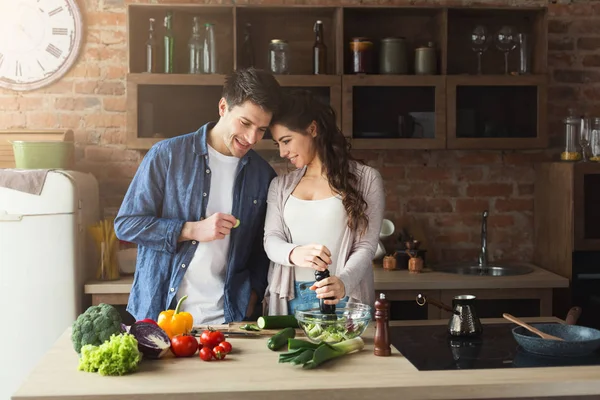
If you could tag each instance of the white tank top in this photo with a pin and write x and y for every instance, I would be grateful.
(316, 221)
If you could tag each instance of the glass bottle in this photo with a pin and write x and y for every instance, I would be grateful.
(195, 49)
(169, 40)
(279, 57)
(570, 152)
(595, 140)
(209, 51)
(151, 49)
(247, 52)
(319, 50)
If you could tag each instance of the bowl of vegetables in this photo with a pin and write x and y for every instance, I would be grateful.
(349, 321)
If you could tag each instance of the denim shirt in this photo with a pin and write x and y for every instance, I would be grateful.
(171, 187)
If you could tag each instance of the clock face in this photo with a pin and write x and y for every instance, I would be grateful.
(40, 40)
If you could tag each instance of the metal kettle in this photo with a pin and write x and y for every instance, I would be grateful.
(463, 321)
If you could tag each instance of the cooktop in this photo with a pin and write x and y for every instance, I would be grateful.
(431, 348)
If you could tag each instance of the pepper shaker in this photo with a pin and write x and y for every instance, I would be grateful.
(325, 308)
(382, 335)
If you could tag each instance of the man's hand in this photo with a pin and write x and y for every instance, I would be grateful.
(217, 226)
(315, 256)
(330, 287)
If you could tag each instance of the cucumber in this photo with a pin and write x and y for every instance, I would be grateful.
(277, 322)
(280, 339)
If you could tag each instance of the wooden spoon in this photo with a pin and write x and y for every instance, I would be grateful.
(531, 328)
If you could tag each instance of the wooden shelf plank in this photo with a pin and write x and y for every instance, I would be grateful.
(387, 144)
(497, 80)
(177, 79)
(393, 80)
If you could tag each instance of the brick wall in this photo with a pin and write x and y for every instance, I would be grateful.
(442, 191)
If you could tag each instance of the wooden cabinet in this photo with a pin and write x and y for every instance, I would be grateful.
(454, 108)
(567, 213)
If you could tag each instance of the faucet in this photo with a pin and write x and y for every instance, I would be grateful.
(483, 255)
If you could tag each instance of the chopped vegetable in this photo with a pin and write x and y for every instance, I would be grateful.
(250, 327)
(311, 358)
(344, 329)
(153, 342)
(118, 356)
(95, 326)
(175, 322)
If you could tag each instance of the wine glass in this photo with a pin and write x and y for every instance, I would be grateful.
(480, 41)
(584, 137)
(506, 41)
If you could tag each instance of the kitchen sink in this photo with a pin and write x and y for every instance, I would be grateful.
(489, 270)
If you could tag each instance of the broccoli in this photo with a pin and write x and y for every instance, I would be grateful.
(95, 326)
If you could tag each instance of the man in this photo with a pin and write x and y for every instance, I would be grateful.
(183, 205)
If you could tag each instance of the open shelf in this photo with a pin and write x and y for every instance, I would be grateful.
(461, 23)
(139, 15)
(293, 25)
(417, 25)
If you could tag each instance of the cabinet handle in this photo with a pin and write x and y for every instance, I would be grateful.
(4, 216)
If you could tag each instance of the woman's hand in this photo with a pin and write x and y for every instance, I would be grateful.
(315, 256)
(330, 287)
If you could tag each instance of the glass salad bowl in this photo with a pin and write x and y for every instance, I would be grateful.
(349, 321)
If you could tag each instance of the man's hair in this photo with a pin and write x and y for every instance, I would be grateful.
(256, 85)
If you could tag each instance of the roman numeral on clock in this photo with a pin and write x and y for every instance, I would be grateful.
(55, 11)
(18, 71)
(59, 31)
(1, 59)
(41, 66)
(55, 51)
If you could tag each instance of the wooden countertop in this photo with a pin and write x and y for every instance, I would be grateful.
(402, 280)
(253, 372)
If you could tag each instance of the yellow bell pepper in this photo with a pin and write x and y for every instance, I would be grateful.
(175, 322)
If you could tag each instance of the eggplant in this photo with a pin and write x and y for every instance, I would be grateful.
(153, 341)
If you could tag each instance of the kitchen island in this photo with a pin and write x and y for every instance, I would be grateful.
(399, 285)
(252, 372)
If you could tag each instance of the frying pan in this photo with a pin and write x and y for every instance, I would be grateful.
(577, 340)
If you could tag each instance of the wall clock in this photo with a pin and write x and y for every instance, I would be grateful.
(40, 41)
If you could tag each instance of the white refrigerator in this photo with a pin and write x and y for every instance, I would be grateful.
(46, 255)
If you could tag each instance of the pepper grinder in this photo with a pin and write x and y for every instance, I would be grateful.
(325, 308)
(382, 335)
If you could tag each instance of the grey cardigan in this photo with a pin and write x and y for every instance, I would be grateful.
(354, 267)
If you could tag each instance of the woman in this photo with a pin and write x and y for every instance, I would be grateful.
(326, 214)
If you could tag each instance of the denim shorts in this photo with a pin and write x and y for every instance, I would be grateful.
(305, 299)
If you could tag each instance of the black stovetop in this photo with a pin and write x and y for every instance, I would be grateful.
(430, 348)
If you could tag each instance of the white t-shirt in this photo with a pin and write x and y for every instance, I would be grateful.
(204, 281)
(316, 221)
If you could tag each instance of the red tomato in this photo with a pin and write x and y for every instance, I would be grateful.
(184, 345)
(219, 352)
(226, 346)
(206, 354)
(211, 338)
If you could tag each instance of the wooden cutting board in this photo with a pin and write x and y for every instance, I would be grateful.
(235, 327)
(7, 158)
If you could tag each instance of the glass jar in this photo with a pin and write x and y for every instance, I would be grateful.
(361, 49)
(279, 57)
(571, 152)
(595, 140)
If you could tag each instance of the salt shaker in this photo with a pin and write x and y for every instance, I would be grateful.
(382, 335)
(325, 308)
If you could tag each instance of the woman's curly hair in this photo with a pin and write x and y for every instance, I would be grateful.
(298, 110)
